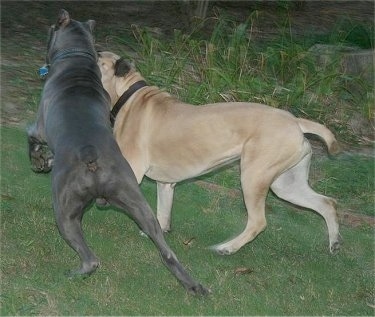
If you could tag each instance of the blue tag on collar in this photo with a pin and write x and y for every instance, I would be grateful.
(43, 71)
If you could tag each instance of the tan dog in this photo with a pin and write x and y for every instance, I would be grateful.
(170, 141)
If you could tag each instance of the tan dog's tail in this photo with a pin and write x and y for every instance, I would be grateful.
(320, 130)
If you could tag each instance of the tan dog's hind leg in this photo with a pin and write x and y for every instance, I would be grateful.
(293, 186)
(164, 204)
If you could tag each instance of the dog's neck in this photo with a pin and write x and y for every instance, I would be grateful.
(125, 97)
(126, 82)
(72, 52)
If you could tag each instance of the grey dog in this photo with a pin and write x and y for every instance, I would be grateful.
(73, 130)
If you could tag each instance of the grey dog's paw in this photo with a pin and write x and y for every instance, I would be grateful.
(41, 157)
(199, 289)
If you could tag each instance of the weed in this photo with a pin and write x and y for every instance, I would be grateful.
(232, 66)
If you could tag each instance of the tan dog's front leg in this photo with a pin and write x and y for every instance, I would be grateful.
(164, 205)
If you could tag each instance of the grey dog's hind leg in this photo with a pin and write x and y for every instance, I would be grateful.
(135, 205)
(69, 209)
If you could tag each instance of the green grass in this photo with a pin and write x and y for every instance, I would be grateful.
(287, 269)
(290, 269)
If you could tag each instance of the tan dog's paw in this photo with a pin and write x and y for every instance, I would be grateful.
(223, 249)
(334, 247)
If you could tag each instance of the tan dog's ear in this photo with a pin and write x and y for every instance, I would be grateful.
(122, 67)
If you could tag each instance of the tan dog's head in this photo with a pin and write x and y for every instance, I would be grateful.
(115, 74)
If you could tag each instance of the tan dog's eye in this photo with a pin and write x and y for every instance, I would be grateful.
(104, 66)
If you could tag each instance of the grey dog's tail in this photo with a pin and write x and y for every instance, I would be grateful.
(88, 154)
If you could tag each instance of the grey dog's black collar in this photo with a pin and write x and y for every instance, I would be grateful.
(70, 52)
(124, 98)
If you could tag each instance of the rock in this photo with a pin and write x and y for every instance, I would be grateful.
(351, 60)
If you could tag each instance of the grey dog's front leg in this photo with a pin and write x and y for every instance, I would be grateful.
(40, 155)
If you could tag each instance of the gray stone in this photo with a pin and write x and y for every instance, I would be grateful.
(351, 60)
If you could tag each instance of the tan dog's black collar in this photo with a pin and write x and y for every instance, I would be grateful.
(124, 98)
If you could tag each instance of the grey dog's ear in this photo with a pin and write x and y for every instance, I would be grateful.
(122, 67)
(63, 19)
(91, 24)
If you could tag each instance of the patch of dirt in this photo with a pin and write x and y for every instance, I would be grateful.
(354, 220)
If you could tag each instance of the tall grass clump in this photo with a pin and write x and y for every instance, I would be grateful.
(233, 64)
